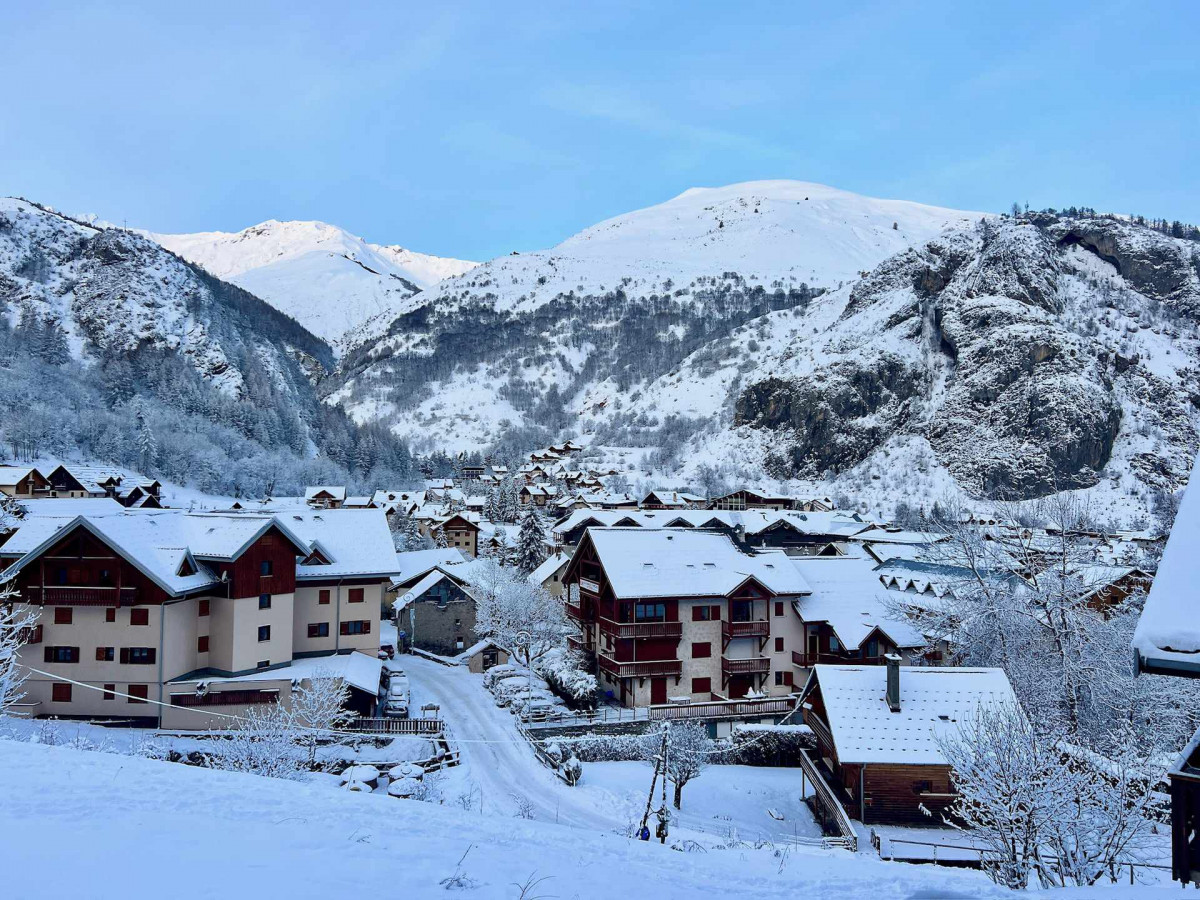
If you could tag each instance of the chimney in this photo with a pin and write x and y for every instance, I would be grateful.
(893, 682)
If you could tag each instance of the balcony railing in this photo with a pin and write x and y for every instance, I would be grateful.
(66, 595)
(754, 666)
(641, 668)
(730, 630)
(30, 634)
(642, 629)
(583, 645)
(724, 709)
(807, 660)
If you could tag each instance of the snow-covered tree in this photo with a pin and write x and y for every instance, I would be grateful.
(689, 750)
(1039, 811)
(531, 543)
(263, 742)
(519, 616)
(318, 709)
(15, 628)
(147, 444)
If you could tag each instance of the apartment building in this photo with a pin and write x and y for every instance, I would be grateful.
(207, 612)
(671, 614)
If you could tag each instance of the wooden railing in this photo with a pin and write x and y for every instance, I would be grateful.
(642, 629)
(723, 709)
(30, 634)
(66, 595)
(430, 727)
(754, 666)
(828, 800)
(640, 668)
(730, 630)
(225, 698)
(808, 660)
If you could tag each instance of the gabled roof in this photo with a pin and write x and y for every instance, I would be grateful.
(333, 491)
(933, 702)
(357, 542)
(10, 475)
(552, 564)
(846, 594)
(70, 507)
(414, 563)
(668, 562)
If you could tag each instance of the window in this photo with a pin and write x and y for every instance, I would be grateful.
(702, 613)
(835, 645)
(318, 630)
(139, 616)
(202, 644)
(356, 595)
(779, 607)
(264, 633)
(778, 645)
(263, 664)
(61, 654)
(62, 615)
(458, 644)
(110, 692)
(202, 608)
(61, 575)
(138, 693)
(110, 614)
(60, 693)
(783, 678)
(105, 654)
(264, 601)
(138, 656)
(356, 628)
(265, 568)
(872, 648)
(650, 612)
(919, 787)
(323, 597)
(458, 623)
(701, 650)
(701, 685)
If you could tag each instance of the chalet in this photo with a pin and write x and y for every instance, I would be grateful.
(481, 656)
(23, 482)
(204, 612)
(437, 610)
(877, 730)
(1167, 642)
(1106, 586)
(660, 499)
(325, 496)
(537, 494)
(63, 483)
(473, 472)
(550, 573)
(459, 533)
(679, 613)
(100, 481)
(845, 618)
(748, 499)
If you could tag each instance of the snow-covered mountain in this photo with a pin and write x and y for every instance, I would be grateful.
(328, 280)
(521, 340)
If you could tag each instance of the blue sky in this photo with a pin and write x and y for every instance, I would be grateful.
(474, 129)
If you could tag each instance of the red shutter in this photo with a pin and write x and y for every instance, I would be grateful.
(701, 650)
(100, 654)
(202, 608)
(62, 615)
(778, 645)
(367, 627)
(323, 596)
(48, 655)
(60, 693)
(779, 607)
(345, 628)
(356, 595)
(202, 644)
(110, 614)
(125, 656)
(716, 614)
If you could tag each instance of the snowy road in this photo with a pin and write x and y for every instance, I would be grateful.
(497, 759)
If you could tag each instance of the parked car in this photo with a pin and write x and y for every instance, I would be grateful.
(387, 651)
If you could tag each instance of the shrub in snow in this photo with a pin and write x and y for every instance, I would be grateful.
(262, 743)
(318, 709)
(405, 788)
(15, 628)
(563, 670)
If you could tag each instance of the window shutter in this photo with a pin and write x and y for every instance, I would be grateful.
(100, 654)
(345, 628)
(49, 655)
(367, 627)
(125, 656)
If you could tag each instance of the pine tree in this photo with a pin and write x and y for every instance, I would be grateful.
(531, 543)
(147, 445)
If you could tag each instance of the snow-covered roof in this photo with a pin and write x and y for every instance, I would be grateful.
(552, 564)
(13, 474)
(899, 536)
(413, 563)
(1167, 638)
(356, 669)
(336, 492)
(671, 562)
(357, 542)
(415, 592)
(754, 521)
(70, 507)
(847, 595)
(933, 702)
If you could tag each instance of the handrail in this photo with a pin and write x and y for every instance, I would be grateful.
(825, 793)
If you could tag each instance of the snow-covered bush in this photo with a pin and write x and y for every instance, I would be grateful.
(15, 628)
(563, 671)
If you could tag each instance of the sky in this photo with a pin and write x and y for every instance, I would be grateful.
(471, 130)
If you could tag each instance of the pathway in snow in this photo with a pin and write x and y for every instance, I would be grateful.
(508, 766)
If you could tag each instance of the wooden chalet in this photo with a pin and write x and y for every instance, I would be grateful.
(749, 499)
(325, 496)
(877, 730)
(23, 482)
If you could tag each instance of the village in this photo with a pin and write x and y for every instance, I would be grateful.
(798, 649)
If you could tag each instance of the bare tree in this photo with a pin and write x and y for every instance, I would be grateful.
(318, 709)
(15, 629)
(263, 742)
(689, 750)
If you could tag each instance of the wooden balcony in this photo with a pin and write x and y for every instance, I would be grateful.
(30, 634)
(641, 668)
(807, 660)
(731, 630)
(724, 709)
(757, 665)
(69, 595)
(668, 630)
(583, 645)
